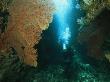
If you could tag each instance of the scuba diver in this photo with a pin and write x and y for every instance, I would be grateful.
(69, 68)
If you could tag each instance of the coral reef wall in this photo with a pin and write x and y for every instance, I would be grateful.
(93, 8)
(26, 21)
(94, 25)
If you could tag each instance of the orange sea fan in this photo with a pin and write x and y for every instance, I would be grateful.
(26, 21)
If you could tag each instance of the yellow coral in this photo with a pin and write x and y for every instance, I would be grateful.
(27, 20)
(93, 8)
(107, 55)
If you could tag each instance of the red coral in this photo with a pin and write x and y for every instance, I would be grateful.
(27, 20)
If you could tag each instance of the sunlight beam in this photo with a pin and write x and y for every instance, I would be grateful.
(62, 9)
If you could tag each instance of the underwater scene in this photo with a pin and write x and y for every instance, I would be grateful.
(54, 40)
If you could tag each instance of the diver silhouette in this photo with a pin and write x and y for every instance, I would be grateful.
(69, 69)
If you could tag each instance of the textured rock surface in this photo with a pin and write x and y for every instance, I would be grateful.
(95, 26)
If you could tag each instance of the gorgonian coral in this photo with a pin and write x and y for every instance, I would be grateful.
(26, 21)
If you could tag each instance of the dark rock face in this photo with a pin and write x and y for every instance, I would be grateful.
(95, 34)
